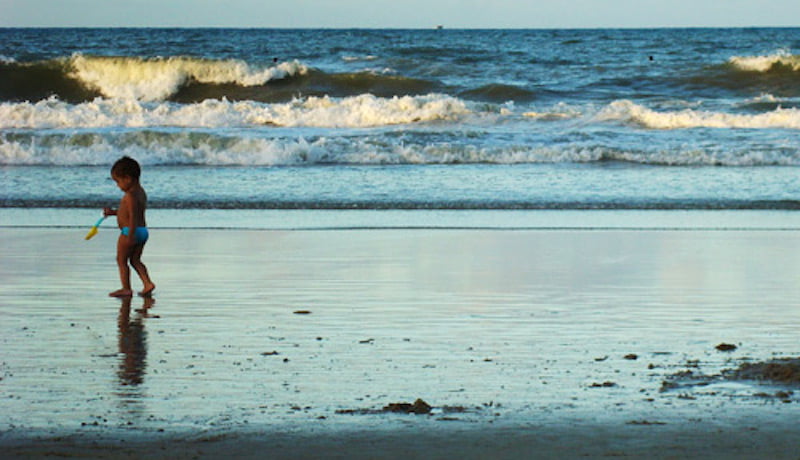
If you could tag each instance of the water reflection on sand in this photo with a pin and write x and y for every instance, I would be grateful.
(525, 325)
(132, 342)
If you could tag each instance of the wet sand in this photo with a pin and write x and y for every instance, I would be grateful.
(290, 344)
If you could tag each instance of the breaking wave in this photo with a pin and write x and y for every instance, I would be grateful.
(365, 111)
(203, 148)
(351, 112)
(155, 79)
(775, 73)
(630, 112)
(82, 78)
(780, 61)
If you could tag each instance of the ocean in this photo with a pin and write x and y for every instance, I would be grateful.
(277, 122)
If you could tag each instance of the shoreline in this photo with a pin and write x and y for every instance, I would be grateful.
(528, 343)
(630, 440)
(303, 220)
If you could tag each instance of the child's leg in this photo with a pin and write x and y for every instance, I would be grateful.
(141, 270)
(123, 254)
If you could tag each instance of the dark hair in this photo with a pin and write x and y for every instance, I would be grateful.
(126, 166)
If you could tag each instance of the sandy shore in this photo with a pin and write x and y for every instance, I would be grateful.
(290, 344)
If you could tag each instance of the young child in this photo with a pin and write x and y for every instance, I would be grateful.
(133, 228)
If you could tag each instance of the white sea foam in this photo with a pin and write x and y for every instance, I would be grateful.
(764, 98)
(155, 79)
(351, 112)
(368, 57)
(766, 62)
(630, 112)
(551, 116)
(210, 149)
(380, 71)
(363, 111)
(157, 149)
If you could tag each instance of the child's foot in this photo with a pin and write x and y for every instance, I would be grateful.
(121, 293)
(147, 291)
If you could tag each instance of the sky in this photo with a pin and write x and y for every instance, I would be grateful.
(400, 13)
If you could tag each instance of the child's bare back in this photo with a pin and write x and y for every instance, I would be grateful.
(131, 208)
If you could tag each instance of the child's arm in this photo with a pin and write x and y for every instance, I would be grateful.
(109, 212)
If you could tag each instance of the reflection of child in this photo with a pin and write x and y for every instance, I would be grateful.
(133, 342)
(133, 228)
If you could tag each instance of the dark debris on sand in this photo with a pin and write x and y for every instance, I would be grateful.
(779, 371)
(782, 370)
(418, 407)
(603, 385)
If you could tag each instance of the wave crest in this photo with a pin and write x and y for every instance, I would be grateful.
(82, 78)
(156, 79)
(166, 147)
(781, 60)
(629, 112)
(350, 112)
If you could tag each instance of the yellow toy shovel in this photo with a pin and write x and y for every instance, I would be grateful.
(93, 230)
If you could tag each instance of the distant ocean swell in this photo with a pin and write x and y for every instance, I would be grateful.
(82, 78)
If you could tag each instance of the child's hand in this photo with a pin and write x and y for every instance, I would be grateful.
(109, 212)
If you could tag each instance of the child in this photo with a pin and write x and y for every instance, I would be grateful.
(130, 219)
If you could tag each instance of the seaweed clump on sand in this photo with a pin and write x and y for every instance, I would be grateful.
(782, 370)
(419, 407)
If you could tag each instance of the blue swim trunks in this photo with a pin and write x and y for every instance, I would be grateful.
(140, 234)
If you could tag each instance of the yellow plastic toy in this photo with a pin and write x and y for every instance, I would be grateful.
(93, 230)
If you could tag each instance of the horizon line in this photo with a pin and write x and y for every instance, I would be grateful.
(434, 27)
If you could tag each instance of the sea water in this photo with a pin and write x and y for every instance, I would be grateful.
(401, 120)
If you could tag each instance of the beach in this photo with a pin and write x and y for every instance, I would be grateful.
(386, 243)
(522, 343)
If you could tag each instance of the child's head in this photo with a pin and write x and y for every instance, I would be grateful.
(126, 167)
